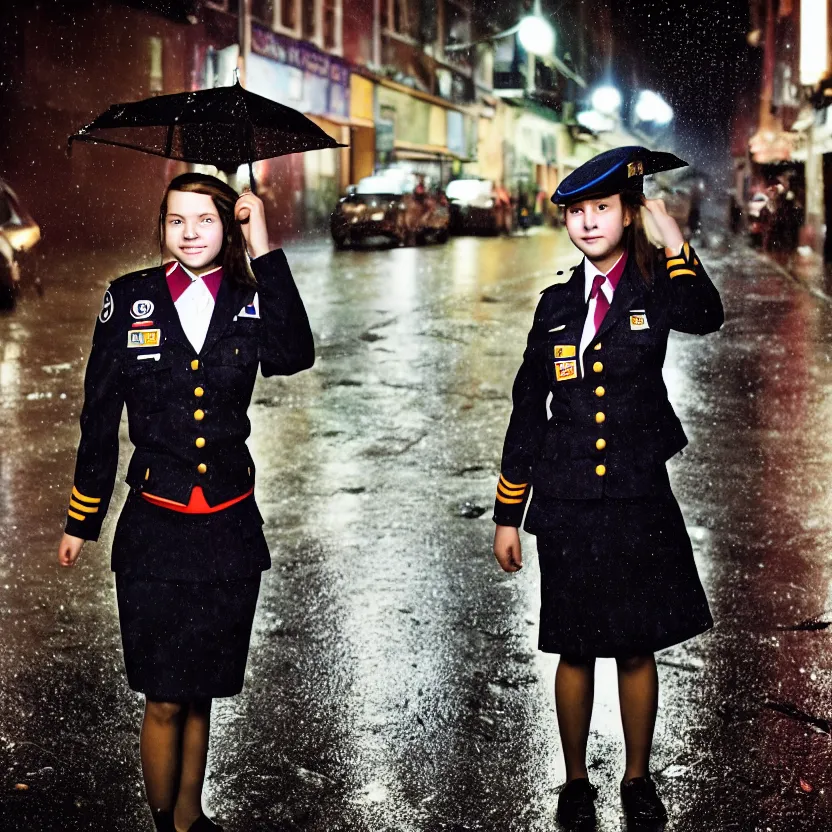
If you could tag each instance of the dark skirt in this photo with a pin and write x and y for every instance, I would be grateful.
(618, 577)
(185, 640)
(187, 588)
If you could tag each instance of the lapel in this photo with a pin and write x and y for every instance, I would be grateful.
(629, 287)
(230, 300)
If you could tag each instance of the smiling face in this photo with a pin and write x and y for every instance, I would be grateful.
(193, 230)
(596, 227)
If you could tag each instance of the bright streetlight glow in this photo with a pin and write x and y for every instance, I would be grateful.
(652, 107)
(813, 43)
(536, 35)
(595, 121)
(606, 100)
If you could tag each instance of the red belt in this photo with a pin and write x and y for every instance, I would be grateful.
(197, 504)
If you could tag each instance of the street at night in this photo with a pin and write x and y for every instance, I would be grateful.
(393, 682)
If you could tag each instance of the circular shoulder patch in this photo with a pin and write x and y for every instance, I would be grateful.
(107, 308)
(142, 309)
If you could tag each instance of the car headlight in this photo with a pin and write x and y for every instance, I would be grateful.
(378, 216)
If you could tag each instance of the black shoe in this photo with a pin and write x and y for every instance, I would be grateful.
(163, 821)
(576, 805)
(642, 803)
(204, 824)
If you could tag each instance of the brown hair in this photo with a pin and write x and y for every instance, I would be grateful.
(639, 249)
(232, 256)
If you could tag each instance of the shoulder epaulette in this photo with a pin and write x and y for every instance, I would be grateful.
(139, 273)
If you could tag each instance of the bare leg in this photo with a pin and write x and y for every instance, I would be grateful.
(194, 757)
(638, 693)
(160, 749)
(574, 694)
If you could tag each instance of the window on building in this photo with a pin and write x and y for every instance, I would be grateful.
(398, 16)
(288, 14)
(457, 22)
(263, 12)
(310, 23)
(332, 24)
(157, 79)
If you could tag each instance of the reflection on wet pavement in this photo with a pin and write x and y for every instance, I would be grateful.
(393, 682)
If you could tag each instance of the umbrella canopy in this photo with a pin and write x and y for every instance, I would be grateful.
(223, 126)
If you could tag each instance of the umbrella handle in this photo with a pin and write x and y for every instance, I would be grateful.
(252, 180)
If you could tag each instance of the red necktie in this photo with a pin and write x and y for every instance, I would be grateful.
(602, 305)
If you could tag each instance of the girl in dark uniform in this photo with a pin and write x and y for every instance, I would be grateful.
(590, 432)
(180, 345)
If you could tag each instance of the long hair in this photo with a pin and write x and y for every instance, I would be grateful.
(639, 249)
(232, 256)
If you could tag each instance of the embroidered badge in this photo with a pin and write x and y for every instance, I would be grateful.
(566, 370)
(251, 310)
(635, 169)
(638, 320)
(564, 351)
(107, 308)
(140, 324)
(145, 355)
(142, 309)
(144, 337)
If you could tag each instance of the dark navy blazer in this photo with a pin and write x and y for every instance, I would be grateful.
(186, 410)
(610, 431)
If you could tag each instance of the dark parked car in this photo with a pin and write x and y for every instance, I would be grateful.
(392, 205)
(18, 233)
(478, 206)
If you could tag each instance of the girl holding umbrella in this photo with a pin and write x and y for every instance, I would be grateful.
(180, 345)
(590, 431)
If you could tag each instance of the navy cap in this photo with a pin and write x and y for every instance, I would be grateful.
(616, 170)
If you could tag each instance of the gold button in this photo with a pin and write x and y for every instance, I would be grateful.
(601, 444)
(598, 367)
(200, 442)
(597, 346)
(599, 391)
(600, 470)
(199, 392)
(199, 415)
(195, 364)
(202, 467)
(600, 417)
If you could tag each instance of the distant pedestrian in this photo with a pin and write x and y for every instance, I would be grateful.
(590, 432)
(180, 344)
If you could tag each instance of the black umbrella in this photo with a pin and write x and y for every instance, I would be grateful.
(223, 126)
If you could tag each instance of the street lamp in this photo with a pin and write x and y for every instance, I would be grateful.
(536, 35)
(652, 107)
(606, 100)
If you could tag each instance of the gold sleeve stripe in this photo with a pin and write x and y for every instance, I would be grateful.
(506, 500)
(75, 515)
(676, 261)
(80, 507)
(695, 262)
(508, 484)
(687, 251)
(677, 272)
(79, 496)
(510, 492)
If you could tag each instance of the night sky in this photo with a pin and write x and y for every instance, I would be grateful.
(694, 53)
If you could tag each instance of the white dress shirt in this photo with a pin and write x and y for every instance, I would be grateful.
(589, 324)
(195, 306)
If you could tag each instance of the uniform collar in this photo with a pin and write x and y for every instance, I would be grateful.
(180, 278)
(613, 275)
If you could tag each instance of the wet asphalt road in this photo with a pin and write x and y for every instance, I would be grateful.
(393, 682)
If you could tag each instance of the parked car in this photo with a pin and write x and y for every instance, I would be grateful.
(18, 233)
(478, 206)
(392, 205)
